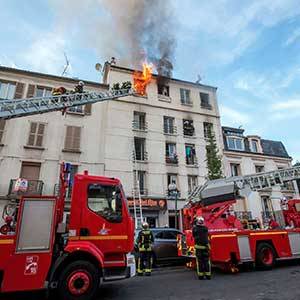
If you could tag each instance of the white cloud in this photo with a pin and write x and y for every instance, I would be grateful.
(294, 36)
(46, 53)
(292, 104)
(6, 61)
(232, 117)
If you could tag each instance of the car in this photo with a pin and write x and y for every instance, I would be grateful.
(164, 246)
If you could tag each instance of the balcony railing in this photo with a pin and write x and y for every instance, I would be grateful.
(172, 159)
(34, 188)
(140, 126)
(170, 129)
(191, 160)
(140, 156)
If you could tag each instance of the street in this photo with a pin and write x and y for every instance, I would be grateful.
(181, 283)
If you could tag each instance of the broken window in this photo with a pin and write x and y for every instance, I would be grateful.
(190, 154)
(204, 98)
(139, 148)
(188, 127)
(185, 96)
(169, 125)
(163, 89)
(171, 155)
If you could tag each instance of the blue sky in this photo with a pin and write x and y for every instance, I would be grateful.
(250, 50)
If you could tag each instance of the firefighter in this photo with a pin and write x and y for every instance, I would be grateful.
(202, 247)
(79, 87)
(145, 240)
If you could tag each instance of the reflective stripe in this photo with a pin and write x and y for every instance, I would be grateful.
(7, 242)
(268, 233)
(98, 237)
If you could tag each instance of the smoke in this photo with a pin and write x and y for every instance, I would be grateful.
(130, 30)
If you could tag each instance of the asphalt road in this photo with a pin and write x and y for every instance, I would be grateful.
(282, 283)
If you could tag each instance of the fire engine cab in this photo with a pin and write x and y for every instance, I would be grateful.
(233, 241)
(39, 250)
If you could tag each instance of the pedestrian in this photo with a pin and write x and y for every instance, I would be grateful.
(145, 241)
(202, 247)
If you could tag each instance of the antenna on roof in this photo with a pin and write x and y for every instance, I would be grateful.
(199, 78)
(64, 72)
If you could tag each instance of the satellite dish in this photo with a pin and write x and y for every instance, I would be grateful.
(98, 67)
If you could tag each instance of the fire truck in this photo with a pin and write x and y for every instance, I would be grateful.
(236, 241)
(40, 249)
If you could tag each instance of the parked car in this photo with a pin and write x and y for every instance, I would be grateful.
(165, 245)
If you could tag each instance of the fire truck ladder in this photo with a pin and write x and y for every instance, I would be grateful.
(255, 182)
(138, 211)
(30, 106)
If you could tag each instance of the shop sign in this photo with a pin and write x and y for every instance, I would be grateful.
(149, 203)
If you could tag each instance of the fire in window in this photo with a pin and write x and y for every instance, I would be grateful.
(188, 127)
(163, 89)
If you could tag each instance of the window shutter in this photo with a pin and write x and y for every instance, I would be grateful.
(32, 132)
(31, 91)
(68, 139)
(19, 90)
(2, 127)
(88, 109)
(76, 138)
(40, 135)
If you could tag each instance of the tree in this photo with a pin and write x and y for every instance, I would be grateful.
(213, 159)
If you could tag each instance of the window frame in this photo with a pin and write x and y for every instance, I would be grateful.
(185, 96)
(72, 149)
(192, 178)
(170, 127)
(235, 138)
(205, 104)
(45, 91)
(207, 126)
(8, 84)
(36, 134)
(139, 120)
(254, 142)
(238, 168)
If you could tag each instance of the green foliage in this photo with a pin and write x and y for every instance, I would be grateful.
(213, 159)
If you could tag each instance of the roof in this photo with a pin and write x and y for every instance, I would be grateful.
(50, 76)
(172, 79)
(269, 147)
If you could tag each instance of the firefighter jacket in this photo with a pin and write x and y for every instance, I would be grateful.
(145, 240)
(200, 234)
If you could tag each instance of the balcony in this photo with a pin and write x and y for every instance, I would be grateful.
(140, 156)
(172, 159)
(34, 188)
(139, 126)
(191, 161)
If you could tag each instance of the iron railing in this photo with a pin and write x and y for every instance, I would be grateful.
(140, 126)
(34, 188)
(140, 156)
(172, 160)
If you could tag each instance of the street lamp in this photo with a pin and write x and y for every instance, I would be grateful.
(173, 192)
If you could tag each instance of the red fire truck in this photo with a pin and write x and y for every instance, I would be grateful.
(234, 241)
(38, 250)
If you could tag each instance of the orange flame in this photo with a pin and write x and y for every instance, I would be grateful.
(142, 79)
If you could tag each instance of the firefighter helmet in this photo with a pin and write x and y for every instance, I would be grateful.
(145, 225)
(199, 220)
(81, 83)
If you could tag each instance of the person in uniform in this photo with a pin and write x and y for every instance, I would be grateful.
(79, 87)
(145, 241)
(202, 248)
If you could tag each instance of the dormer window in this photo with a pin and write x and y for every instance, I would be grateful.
(254, 145)
(235, 143)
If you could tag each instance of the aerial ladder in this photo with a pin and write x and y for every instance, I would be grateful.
(10, 109)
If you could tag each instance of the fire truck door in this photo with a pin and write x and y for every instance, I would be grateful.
(28, 267)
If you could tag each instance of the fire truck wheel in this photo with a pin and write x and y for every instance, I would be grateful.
(265, 256)
(79, 280)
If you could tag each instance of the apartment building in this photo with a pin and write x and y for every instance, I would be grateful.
(159, 139)
(32, 147)
(251, 154)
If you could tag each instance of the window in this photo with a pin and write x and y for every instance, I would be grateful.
(105, 201)
(2, 128)
(171, 155)
(207, 129)
(72, 140)
(172, 178)
(140, 181)
(188, 127)
(167, 235)
(254, 145)
(7, 90)
(190, 155)
(235, 169)
(259, 169)
(139, 148)
(185, 96)
(204, 98)
(31, 172)
(192, 182)
(235, 143)
(139, 121)
(36, 134)
(163, 90)
(169, 127)
(43, 91)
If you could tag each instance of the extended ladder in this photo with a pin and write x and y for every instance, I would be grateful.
(30, 106)
(255, 182)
